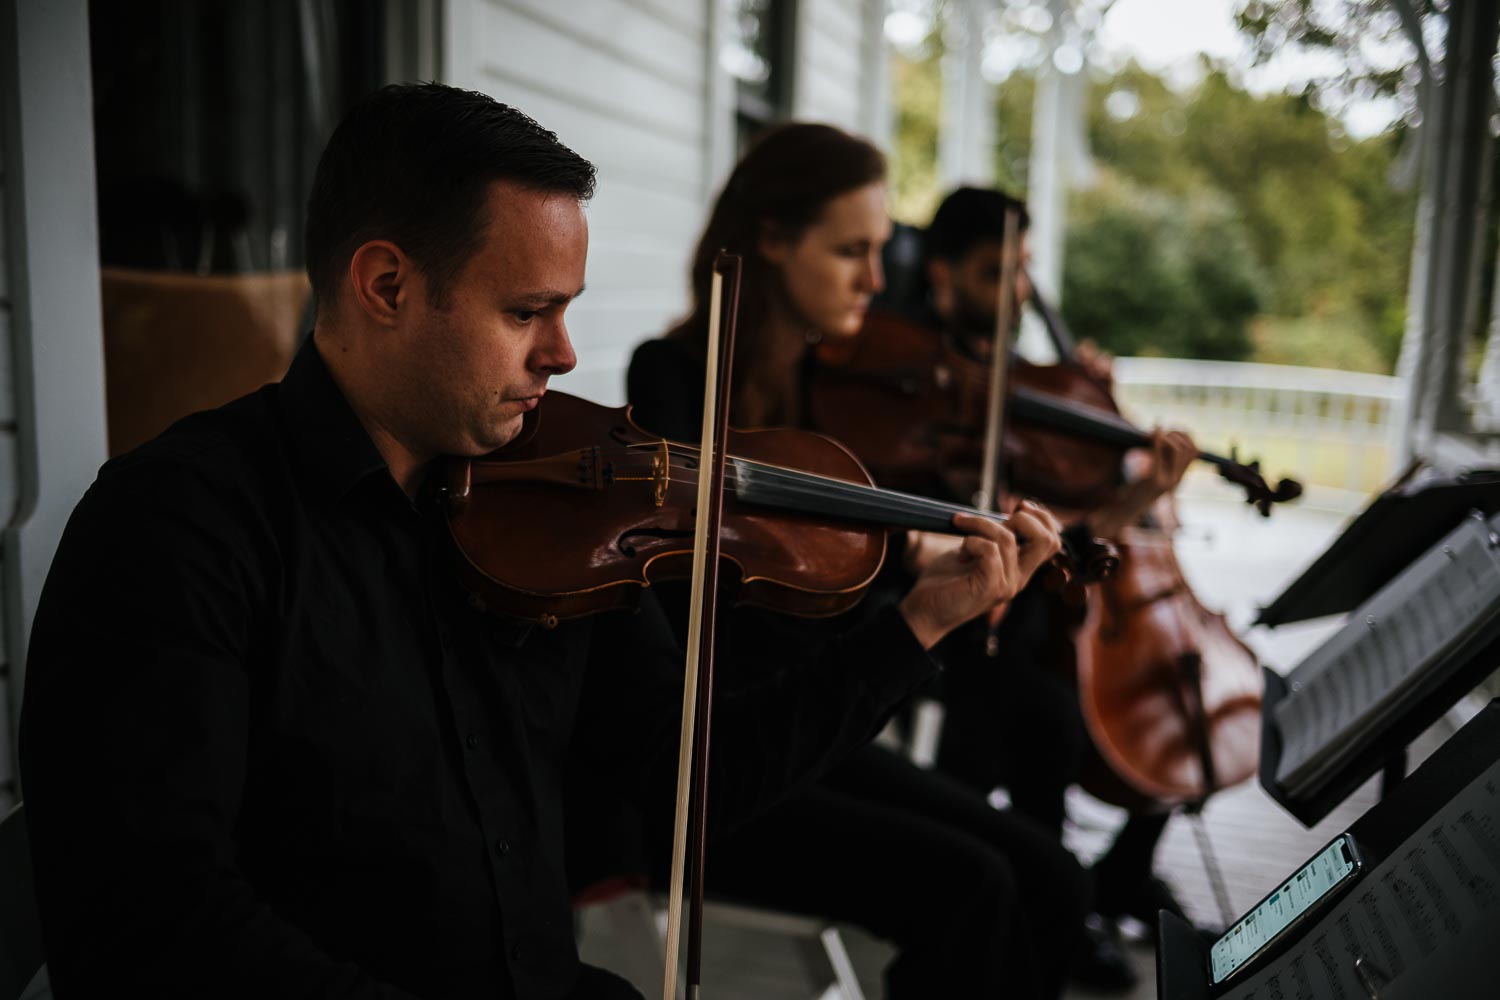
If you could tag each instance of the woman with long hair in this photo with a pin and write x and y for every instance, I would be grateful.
(979, 902)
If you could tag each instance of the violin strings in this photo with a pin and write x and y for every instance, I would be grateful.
(797, 488)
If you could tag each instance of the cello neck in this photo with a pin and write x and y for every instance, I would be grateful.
(1062, 338)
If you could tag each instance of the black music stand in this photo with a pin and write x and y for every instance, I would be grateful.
(1399, 524)
(1382, 744)
(1182, 953)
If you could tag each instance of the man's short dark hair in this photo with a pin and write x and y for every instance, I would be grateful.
(967, 217)
(412, 163)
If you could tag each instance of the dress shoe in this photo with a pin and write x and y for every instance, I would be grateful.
(1100, 964)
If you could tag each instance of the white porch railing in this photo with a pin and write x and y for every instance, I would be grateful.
(1336, 432)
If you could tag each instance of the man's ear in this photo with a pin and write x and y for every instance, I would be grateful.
(940, 284)
(380, 276)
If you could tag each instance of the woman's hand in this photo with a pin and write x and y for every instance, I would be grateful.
(985, 568)
(922, 547)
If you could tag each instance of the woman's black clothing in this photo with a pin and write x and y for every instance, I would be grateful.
(980, 902)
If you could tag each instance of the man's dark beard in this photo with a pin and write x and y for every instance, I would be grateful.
(972, 319)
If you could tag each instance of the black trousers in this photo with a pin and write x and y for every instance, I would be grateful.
(980, 902)
(599, 984)
(1019, 725)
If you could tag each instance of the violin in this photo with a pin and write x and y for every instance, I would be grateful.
(803, 533)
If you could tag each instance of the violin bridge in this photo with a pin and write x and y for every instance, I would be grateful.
(661, 473)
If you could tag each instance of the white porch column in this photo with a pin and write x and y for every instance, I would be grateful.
(875, 61)
(1058, 147)
(1442, 304)
(966, 131)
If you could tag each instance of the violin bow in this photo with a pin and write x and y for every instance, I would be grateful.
(994, 425)
(697, 688)
(989, 473)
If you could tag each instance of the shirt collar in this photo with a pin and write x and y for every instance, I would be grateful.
(327, 436)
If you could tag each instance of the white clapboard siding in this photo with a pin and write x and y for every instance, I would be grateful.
(623, 82)
(838, 77)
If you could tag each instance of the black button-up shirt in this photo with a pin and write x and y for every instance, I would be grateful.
(269, 749)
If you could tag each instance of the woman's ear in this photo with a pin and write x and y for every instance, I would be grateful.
(775, 243)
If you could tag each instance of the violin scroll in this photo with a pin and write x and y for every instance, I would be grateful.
(1257, 490)
(1079, 564)
(1095, 558)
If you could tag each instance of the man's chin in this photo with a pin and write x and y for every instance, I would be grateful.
(495, 437)
(509, 431)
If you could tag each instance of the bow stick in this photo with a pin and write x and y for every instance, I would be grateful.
(989, 474)
(692, 754)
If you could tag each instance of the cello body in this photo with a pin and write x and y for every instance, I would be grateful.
(1170, 695)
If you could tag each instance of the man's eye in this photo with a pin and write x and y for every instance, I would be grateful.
(523, 315)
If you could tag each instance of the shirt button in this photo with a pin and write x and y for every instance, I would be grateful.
(502, 847)
(471, 741)
(518, 952)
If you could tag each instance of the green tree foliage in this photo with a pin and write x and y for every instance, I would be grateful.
(1225, 224)
(918, 83)
(1151, 272)
(1327, 239)
(1367, 43)
(1014, 102)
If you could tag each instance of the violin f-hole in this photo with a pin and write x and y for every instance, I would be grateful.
(627, 547)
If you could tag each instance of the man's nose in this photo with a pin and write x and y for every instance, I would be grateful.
(875, 273)
(554, 355)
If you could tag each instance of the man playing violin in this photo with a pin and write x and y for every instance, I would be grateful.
(996, 721)
(269, 748)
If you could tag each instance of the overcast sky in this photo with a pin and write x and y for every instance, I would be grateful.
(1165, 36)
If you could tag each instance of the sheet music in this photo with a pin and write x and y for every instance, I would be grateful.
(1396, 647)
(1425, 922)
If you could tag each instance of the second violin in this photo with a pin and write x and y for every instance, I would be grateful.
(911, 403)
